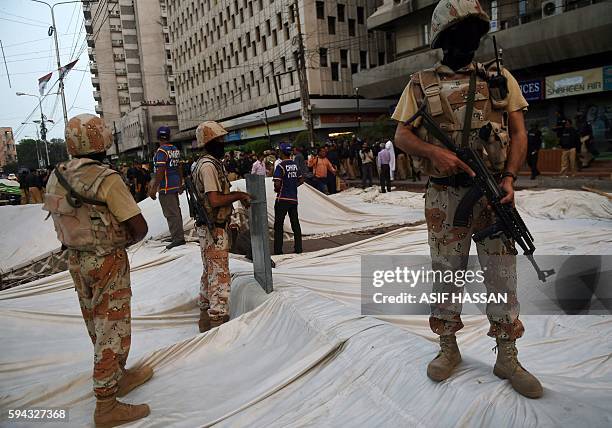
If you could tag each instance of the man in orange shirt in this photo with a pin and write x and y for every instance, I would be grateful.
(320, 167)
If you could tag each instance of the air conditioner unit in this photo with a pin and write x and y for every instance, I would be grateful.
(552, 8)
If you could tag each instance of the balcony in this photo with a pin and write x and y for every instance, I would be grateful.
(115, 28)
(165, 29)
(91, 41)
(119, 57)
(87, 10)
(90, 53)
(122, 87)
(98, 109)
(95, 81)
(88, 25)
(124, 100)
(117, 43)
(114, 13)
(97, 96)
(572, 34)
(93, 66)
(121, 72)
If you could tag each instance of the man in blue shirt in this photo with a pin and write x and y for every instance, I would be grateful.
(287, 178)
(168, 180)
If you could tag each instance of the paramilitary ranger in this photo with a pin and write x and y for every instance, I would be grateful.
(497, 132)
(213, 189)
(96, 218)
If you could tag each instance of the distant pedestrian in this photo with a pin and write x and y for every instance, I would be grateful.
(570, 144)
(168, 180)
(231, 166)
(321, 166)
(534, 143)
(367, 165)
(383, 161)
(259, 166)
(287, 178)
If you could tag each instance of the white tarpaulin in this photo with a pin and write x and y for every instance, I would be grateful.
(27, 236)
(306, 356)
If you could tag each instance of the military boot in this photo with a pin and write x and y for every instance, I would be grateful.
(508, 367)
(219, 321)
(133, 378)
(111, 413)
(441, 367)
(204, 323)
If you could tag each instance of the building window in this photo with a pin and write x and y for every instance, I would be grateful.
(354, 68)
(251, 9)
(360, 15)
(340, 13)
(351, 27)
(381, 58)
(363, 59)
(343, 58)
(286, 31)
(274, 38)
(320, 10)
(331, 25)
(323, 57)
(335, 71)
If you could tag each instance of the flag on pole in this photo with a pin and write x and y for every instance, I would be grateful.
(42, 83)
(65, 69)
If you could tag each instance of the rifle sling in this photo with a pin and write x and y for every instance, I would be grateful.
(73, 193)
(469, 110)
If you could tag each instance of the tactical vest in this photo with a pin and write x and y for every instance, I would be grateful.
(86, 227)
(219, 215)
(446, 100)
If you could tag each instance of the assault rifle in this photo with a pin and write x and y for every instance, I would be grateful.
(509, 225)
(196, 207)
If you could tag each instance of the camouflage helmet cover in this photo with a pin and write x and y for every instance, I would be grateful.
(208, 131)
(450, 12)
(86, 134)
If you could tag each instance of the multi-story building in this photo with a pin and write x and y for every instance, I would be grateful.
(236, 60)
(559, 50)
(8, 151)
(132, 69)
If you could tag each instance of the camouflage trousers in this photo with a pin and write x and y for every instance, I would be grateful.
(103, 286)
(215, 282)
(449, 247)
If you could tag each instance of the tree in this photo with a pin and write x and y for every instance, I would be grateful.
(28, 155)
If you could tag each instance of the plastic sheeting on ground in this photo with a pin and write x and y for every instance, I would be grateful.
(28, 236)
(304, 356)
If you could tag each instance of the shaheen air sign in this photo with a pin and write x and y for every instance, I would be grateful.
(575, 83)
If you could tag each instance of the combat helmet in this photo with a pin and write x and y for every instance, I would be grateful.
(450, 12)
(208, 131)
(87, 134)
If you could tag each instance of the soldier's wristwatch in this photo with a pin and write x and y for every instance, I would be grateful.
(509, 174)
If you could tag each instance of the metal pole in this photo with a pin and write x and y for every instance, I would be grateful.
(59, 66)
(43, 129)
(267, 127)
(358, 111)
(8, 76)
(303, 77)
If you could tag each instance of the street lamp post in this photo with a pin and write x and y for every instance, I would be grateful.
(43, 128)
(53, 32)
(358, 111)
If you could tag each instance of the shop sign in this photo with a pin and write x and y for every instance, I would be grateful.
(531, 89)
(576, 83)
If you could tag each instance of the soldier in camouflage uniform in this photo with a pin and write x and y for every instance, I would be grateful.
(497, 132)
(96, 218)
(213, 188)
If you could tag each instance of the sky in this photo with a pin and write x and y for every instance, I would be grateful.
(30, 54)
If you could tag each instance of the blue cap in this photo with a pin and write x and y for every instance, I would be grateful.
(285, 147)
(163, 132)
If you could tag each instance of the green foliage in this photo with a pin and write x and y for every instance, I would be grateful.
(381, 129)
(549, 138)
(12, 167)
(257, 146)
(27, 154)
(302, 139)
